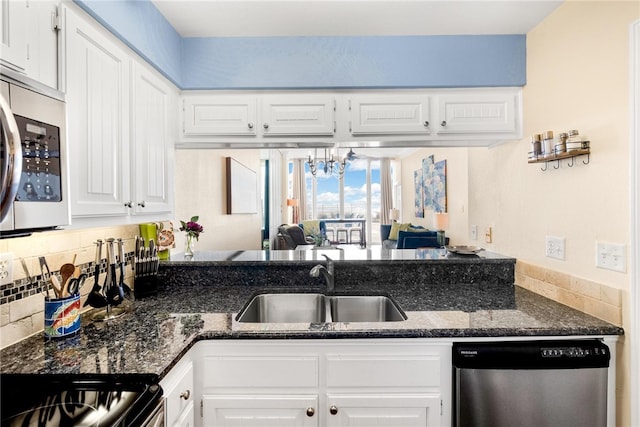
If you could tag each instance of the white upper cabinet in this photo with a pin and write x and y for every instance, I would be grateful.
(389, 114)
(298, 115)
(154, 117)
(477, 113)
(29, 39)
(418, 117)
(13, 16)
(122, 127)
(219, 115)
(97, 85)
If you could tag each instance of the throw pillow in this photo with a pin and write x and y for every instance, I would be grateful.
(396, 227)
(311, 227)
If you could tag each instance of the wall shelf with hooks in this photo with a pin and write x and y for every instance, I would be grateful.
(569, 155)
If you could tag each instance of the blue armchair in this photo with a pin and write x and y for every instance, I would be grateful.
(411, 239)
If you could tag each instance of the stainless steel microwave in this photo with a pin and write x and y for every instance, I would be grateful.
(35, 192)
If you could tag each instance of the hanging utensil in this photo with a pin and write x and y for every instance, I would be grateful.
(26, 270)
(126, 290)
(45, 277)
(95, 298)
(113, 292)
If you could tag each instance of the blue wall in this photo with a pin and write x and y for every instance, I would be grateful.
(313, 62)
(353, 62)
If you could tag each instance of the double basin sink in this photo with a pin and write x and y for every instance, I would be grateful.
(319, 308)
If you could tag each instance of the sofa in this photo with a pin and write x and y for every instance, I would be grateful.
(408, 236)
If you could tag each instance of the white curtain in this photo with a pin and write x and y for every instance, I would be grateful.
(300, 189)
(386, 191)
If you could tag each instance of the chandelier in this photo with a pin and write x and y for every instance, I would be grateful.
(329, 165)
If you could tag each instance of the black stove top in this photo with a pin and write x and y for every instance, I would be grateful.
(78, 400)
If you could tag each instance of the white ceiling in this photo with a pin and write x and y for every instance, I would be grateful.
(264, 18)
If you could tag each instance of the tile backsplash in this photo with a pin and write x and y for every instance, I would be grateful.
(595, 299)
(22, 300)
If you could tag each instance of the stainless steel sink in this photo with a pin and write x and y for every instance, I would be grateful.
(284, 308)
(365, 309)
(318, 308)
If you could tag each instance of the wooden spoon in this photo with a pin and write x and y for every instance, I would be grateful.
(66, 271)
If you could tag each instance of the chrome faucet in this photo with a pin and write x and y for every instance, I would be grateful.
(327, 272)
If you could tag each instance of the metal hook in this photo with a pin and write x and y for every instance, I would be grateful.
(588, 159)
(545, 167)
(557, 166)
(570, 164)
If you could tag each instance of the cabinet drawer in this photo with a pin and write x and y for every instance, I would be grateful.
(383, 371)
(261, 371)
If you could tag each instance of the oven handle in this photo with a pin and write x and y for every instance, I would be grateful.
(12, 161)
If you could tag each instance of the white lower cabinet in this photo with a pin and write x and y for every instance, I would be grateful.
(401, 410)
(260, 410)
(304, 383)
(179, 394)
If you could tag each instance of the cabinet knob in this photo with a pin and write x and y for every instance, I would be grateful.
(250, 125)
(129, 204)
(444, 123)
(266, 125)
(426, 123)
(185, 395)
(333, 410)
(141, 204)
(310, 412)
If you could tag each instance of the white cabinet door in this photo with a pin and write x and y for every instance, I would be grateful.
(298, 115)
(154, 107)
(389, 114)
(219, 115)
(13, 34)
(260, 410)
(187, 419)
(42, 41)
(178, 390)
(402, 410)
(476, 114)
(97, 82)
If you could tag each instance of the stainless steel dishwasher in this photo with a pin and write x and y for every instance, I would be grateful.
(531, 383)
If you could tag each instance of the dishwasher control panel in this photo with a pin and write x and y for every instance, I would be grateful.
(573, 351)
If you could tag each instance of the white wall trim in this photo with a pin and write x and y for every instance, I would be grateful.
(634, 216)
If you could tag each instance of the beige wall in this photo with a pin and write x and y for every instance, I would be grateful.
(200, 190)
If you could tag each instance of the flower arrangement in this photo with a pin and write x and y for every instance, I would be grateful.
(193, 230)
(192, 227)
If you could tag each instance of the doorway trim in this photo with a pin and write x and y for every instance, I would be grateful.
(634, 217)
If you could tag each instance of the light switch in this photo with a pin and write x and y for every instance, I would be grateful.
(611, 256)
(474, 232)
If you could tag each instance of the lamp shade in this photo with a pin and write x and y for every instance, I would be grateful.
(292, 202)
(394, 214)
(441, 220)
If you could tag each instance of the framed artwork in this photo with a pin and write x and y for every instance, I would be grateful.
(418, 196)
(242, 188)
(431, 187)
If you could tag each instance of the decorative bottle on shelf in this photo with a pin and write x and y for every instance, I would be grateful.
(561, 146)
(574, 142)
(536, 146)
(548, 149)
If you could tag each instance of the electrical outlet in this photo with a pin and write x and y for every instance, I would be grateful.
(6, 268)
(611, 256)
(554, 247)
(488, 235)
(474, 232)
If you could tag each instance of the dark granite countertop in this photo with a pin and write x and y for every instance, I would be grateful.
(160, 329)
(444, 296)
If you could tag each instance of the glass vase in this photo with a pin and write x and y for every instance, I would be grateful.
(190, 246)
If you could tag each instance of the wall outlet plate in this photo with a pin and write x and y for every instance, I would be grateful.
(474, 232)
(554, 247)
(611, 256)
(6, 268)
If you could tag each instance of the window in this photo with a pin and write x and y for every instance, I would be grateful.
(356, 195)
